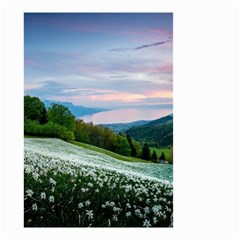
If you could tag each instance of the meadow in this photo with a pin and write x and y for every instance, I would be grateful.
(72, 186)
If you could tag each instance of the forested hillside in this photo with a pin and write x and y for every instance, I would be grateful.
(157, 133)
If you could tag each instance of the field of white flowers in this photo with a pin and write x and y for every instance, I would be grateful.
(69, 186)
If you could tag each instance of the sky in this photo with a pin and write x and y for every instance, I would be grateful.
(110, 60)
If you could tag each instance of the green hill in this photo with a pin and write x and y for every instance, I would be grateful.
(156, 133)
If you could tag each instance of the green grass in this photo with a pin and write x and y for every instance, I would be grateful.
(109, 153)
(160, 150)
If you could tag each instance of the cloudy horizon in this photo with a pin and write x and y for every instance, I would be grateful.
(111, 60)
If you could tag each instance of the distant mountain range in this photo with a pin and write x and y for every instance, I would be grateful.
(122, 127)
(77, 111)
(158, 132)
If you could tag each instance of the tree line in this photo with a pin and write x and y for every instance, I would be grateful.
(58, 121)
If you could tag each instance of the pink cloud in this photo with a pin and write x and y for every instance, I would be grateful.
(31, 62)
(167, 68)
(132, 33)
(31, 86)
(163, 32)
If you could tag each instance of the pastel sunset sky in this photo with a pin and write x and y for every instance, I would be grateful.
(112, 60)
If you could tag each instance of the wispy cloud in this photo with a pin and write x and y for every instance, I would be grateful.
(140, 47)
(118, 76)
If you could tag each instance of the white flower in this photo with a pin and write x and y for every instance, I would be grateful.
(128, 205)
(97, 190)
(83, 190)
(52, 181)
(155, 220)
(51, 199)
(89, 213)
(116, 209)
(112, 204)
(43, 195)
(34, 207)
(90, 184)
(115, 218)
(156, 209)
(148, 201)
(87, 203)
(128, 214)
(146, 223)
(146, 210)
(80, 205)
(103, 206)
(29, 192)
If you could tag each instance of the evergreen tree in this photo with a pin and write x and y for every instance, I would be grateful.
(133, 149)
(154, 156)
(145, 152)
(162, 157)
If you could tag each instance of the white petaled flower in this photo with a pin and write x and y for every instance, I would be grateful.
(146, 223)
(103, 206)
(83, 190)
(43, 195)
(128, 205)
(51, 199)
(137, 212)
(52, 181)
(87, 203)
(34, 207)
(112, 204)
(89, 213)
(90, 184)
(148, 201)
(115, 218)
(146, 210)
(128, 214)
(80, 205)
(116, 209)
(156, 209)
(155, 220)
(107, 203)
(97, 190)
(29, 192)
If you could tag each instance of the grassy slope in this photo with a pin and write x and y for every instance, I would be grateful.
(109, 153)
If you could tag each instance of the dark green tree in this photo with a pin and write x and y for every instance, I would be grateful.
(154, 156)
(61, 115)
(145, 152)
(162, 157)
(133, 149)
(34, 109)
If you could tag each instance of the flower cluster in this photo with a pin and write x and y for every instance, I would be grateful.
(63, 189)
